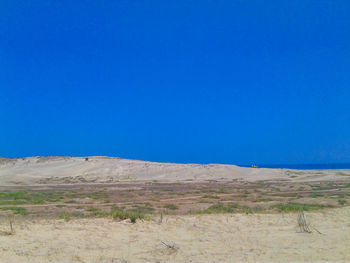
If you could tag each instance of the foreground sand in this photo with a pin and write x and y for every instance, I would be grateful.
(196, 238)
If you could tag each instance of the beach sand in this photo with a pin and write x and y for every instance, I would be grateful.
(193, 238)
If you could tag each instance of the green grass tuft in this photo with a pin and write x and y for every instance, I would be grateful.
(123, 214)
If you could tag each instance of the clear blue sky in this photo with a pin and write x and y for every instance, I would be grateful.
(178, 81)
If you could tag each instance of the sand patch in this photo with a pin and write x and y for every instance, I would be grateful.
(196, 238)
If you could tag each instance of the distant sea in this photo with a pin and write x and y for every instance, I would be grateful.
(321, 166)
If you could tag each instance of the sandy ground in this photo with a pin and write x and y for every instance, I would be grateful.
(182, 236)
(195, 238)
(59, 170)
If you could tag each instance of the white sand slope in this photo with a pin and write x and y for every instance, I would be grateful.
(196, 238)
(32, 170)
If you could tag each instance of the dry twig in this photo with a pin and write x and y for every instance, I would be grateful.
(303, 226)
(172, 247)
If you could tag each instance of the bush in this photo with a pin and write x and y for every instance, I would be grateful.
(94, 212)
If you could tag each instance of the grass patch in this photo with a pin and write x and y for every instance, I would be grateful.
(286, 195)
(263, 200)
(241, 195)
(18, 198)
(70, 202)
(316, 195)
(133, 214)
(122, 215)
(68, 216)
(91, 212)
(72, 195)
(14, 196)
(220, 209)
(98, 195)
(293, 207)
(16, 210)
(65, 217)
(12, 202)
(145, 208)
(171, 207)
(167, 190)
(229, 209)
(96, 213)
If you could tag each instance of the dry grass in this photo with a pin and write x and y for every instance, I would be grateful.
(303, 226)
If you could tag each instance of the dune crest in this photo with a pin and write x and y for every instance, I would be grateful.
(100, 169)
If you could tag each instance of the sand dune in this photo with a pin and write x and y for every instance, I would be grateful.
(48, 170)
